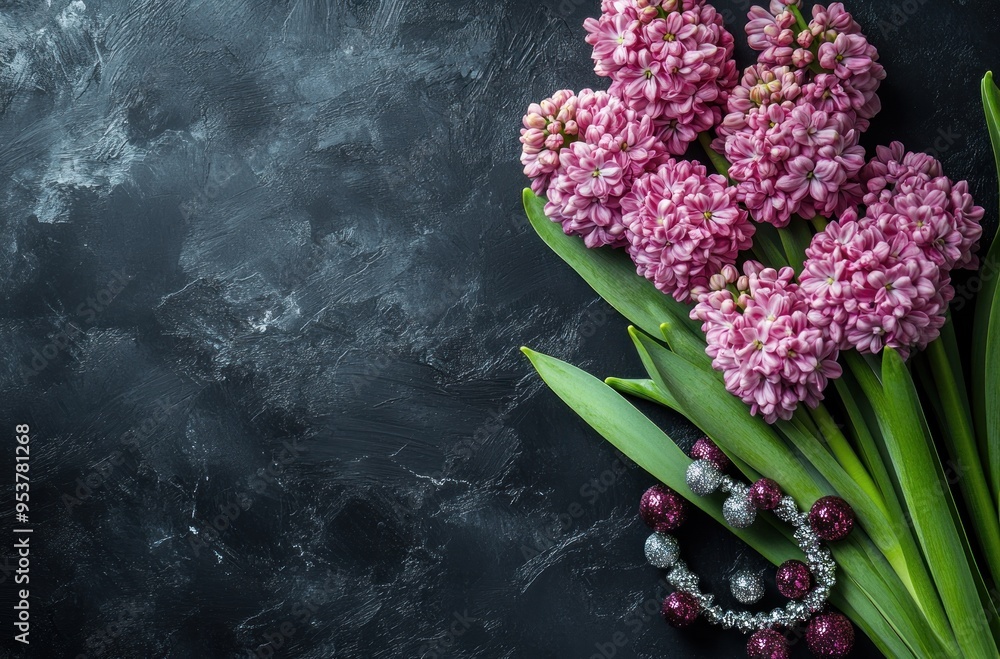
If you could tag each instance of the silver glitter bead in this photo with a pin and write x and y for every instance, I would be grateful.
(726, 484)
(738, 511)
(747, 587)
(703, 477)
(662, 550)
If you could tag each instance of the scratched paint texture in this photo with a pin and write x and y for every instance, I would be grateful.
(264, 275)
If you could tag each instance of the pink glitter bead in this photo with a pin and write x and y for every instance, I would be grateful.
(830, 636)
(793, 579)
(767, 644)
(680, 609)
(705, 449)
(662, 509)
(765, 494)
(831, 518)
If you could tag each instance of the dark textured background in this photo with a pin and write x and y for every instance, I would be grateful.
(314, 209)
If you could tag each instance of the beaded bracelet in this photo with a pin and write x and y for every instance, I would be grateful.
(808, 585)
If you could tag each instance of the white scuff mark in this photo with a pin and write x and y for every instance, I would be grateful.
(98, 159)
(72, 16)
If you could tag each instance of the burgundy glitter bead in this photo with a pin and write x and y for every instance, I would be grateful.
(662, 509)
(705, 449)
(793, 579)
(831, 518)
(767, 644)
(830, 636)
(765, 494)
(680, 609)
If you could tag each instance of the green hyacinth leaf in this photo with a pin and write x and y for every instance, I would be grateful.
(611, 274)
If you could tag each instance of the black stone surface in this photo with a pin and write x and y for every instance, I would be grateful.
(233, 232)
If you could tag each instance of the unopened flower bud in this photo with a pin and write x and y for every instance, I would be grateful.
(549, 158)
(730, 273)
(648, 14)
(534, 120)
(801, 58)
(533, 137)
(554, 142)
(717, 282)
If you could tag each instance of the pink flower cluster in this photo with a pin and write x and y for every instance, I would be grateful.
(548, 127)
(671, 72)
(796, 117)
(884, 279)
(613, 145)
(684, 225)
(791, 135)
(670, 60)
(760, 336)
(908, 194)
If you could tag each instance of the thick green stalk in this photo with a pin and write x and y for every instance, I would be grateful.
(770, 241)
(986, 325)
(922, 586)
(939, 532)
(718, 160)
(842, 450)
(644, 389)
(795, 238)
(957, 427)
(724, 419)
(871, 512)
(864, 438)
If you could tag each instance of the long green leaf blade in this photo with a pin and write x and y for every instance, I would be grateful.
(644, 389)
(914, 459)
(986, 328)
(637, 437)
(611, 274)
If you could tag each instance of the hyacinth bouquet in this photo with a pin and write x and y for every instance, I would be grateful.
(793, 304)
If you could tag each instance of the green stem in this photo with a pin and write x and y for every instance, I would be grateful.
(845, 454)
(864, 437)
(820, 223)
(920, 584)
(918, 469)
(799, 18)
(644, 389)
(957, 426)
(718, 160)
(795, 238)
(814, 66)
(767, 237)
